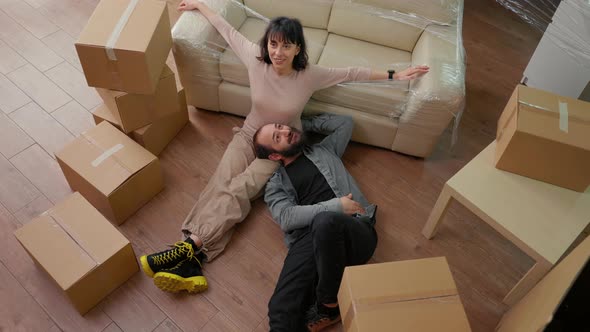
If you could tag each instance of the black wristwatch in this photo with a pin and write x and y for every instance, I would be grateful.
(391, 72)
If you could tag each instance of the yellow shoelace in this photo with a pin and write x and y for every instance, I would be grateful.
(181, 248)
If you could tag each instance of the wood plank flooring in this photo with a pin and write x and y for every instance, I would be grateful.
(44, 105)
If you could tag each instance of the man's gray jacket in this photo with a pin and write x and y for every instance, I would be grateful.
(280, 195)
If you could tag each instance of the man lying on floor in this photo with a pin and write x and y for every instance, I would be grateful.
(327, 221)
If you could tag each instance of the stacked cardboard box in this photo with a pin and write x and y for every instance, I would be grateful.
(80, 250)
(124, 58)
(123, 51)
(545, 137)
(125, 44)
(151, 120)
(411, 296)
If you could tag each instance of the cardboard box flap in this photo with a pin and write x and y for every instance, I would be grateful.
(166, 72)
(88, 160)
(557, 118)
(122, 149)
(55, 250)
(578, 110)
(137, 30)
(399, 281)
(105, 113)
(436, 314)
(98, 237)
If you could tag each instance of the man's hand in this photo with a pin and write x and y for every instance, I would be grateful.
(186, 5)
(349, 206)
(411, 73)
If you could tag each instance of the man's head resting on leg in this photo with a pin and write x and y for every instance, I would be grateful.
(278, 142)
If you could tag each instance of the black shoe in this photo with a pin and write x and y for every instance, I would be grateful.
(318, 317)
(187, 275)
(166, 259)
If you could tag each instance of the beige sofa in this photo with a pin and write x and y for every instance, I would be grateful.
(408, 117)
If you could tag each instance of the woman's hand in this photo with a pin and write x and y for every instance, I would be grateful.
(411, 73)
(349, 206)
(186, 5)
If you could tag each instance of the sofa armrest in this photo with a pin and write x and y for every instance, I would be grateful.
(197, 49)
(437, 97)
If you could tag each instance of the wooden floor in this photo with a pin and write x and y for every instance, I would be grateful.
(45, 103)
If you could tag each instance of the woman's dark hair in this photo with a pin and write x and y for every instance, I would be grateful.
(289, 30)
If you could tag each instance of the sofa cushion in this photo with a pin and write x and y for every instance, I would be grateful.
(311, 13)
(375, 25)
(232, 69)
(380, 97)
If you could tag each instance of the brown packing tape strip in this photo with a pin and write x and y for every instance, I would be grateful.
(369, 304)
(70, 232)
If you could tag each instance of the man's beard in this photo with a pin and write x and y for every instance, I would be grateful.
(297, 147)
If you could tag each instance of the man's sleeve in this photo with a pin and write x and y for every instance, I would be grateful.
(337, 127)
(285, 210)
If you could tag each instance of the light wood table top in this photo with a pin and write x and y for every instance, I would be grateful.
(545, 217)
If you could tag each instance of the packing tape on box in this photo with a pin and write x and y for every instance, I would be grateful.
(563, 117)
(118, 29)
(106, 154)
(58, 222)
(563, 113)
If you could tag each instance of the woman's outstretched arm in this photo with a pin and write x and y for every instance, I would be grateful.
(404, 75)
(244, 49)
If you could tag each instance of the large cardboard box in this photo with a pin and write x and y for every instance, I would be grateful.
(115, 174)
(156, 136)
(410, 296)
(545, 137)
(86, 256)
(125, 44)
(134, 111)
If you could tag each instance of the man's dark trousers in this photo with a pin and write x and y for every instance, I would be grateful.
(314, 265)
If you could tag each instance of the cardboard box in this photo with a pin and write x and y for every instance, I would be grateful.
(545, 137)
(410, 296)
(113, 172)
(156, 136)
(138, 53)
(82, 252)
(133, 111)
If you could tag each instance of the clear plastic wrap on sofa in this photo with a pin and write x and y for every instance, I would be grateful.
(378, 34)
(566, 23)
